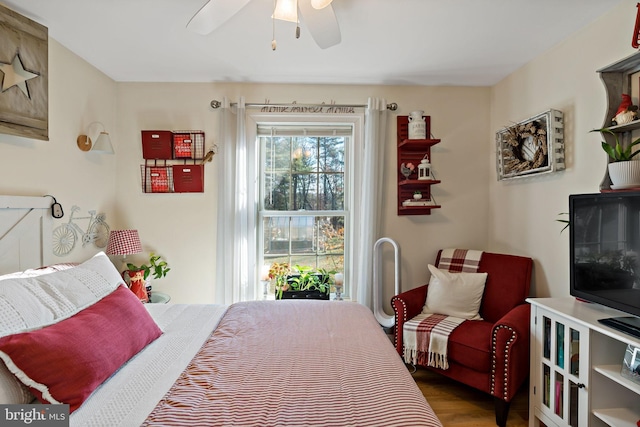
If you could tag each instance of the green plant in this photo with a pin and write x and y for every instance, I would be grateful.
(305, 278)
(279, 271)
(417, 192)
(157, 266)
(566, 222)
(618, 153)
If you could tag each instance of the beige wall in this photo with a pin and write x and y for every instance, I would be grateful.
(523, 212)
(78, 95)
(478, 211)
(183, 226)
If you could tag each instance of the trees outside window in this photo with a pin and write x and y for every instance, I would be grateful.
(303, 194)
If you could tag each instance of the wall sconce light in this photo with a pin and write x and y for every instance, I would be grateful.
(102, 144)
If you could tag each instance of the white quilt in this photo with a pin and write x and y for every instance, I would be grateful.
(131, 394)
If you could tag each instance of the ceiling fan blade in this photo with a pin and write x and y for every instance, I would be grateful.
(321, 23)
(213, 14)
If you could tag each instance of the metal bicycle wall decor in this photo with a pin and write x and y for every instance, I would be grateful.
(532, 146)
(66, 235)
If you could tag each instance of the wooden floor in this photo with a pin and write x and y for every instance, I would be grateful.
(458, 405)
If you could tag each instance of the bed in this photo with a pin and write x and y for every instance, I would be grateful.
(262, 363)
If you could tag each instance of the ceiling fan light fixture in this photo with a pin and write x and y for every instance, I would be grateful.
(320, 4)
(286, 10)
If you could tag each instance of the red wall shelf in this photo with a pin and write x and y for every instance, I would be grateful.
(413, 151)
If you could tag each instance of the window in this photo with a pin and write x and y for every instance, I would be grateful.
(304, 195)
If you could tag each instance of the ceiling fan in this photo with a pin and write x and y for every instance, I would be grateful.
(318, 16)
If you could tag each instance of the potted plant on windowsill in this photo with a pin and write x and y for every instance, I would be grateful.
(305, 282)
(139, 274)
(623, 170)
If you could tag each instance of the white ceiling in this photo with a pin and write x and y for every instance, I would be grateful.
(421, 42)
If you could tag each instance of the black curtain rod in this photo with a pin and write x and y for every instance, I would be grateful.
(215, 104)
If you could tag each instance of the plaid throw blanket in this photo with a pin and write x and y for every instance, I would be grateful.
(426, 336)
(457, 260)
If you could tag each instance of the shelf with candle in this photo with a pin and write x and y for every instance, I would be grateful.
(265, 280)
(338, 281)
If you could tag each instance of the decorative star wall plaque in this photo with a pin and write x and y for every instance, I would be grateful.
(16, 75)
(24, 90)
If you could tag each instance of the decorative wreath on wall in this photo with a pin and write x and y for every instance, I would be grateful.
(528, 146)
(532, 146)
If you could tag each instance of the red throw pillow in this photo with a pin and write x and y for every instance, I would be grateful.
(65, 362)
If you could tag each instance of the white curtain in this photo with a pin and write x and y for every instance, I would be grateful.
(237, 205)
(368, 199)
(236, 243)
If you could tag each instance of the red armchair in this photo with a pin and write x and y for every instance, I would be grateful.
(491, 355)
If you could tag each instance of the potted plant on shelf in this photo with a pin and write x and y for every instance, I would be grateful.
(623, 171)
(138, 275)
(417, 194)
(304, 282)
(278, 272)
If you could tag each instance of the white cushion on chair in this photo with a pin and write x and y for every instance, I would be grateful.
(455, 294)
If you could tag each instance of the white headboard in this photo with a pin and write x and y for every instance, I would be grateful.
(25, 232)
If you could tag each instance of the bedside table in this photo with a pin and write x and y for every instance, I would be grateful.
(159, 298)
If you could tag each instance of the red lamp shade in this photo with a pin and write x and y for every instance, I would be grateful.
(123, 242)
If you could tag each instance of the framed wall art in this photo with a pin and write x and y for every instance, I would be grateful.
(532, 146)
(24, 93)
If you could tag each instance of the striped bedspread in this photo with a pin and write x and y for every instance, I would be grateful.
(295, 363)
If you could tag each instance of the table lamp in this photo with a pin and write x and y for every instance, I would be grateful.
(123, 242)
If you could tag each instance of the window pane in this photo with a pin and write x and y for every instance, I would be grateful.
(317, 240)
(277, 191)
(304, 173)
(331, 235)
(331, 154)
(302, 235)
(276, 235)
(277, 153)
(305, 191)
(304, 155)
(331, 192)
(297, 184)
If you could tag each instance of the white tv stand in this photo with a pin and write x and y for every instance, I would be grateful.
(575, 367)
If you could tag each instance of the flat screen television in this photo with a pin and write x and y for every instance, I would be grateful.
(605, 254)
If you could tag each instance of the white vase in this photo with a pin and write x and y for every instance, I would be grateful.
(624, 174)
(417, 125)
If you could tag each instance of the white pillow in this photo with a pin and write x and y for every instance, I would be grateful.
(28, 303)
(37, 298)
(455, 294)
(33, 272)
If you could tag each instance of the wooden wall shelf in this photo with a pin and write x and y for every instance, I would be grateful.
(413, 151)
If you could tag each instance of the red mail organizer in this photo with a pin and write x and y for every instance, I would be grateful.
(173, 161)
(188, 144)
(157, 179)
(188, 178)
(170, 145)
(172, 178)
(157, 144)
